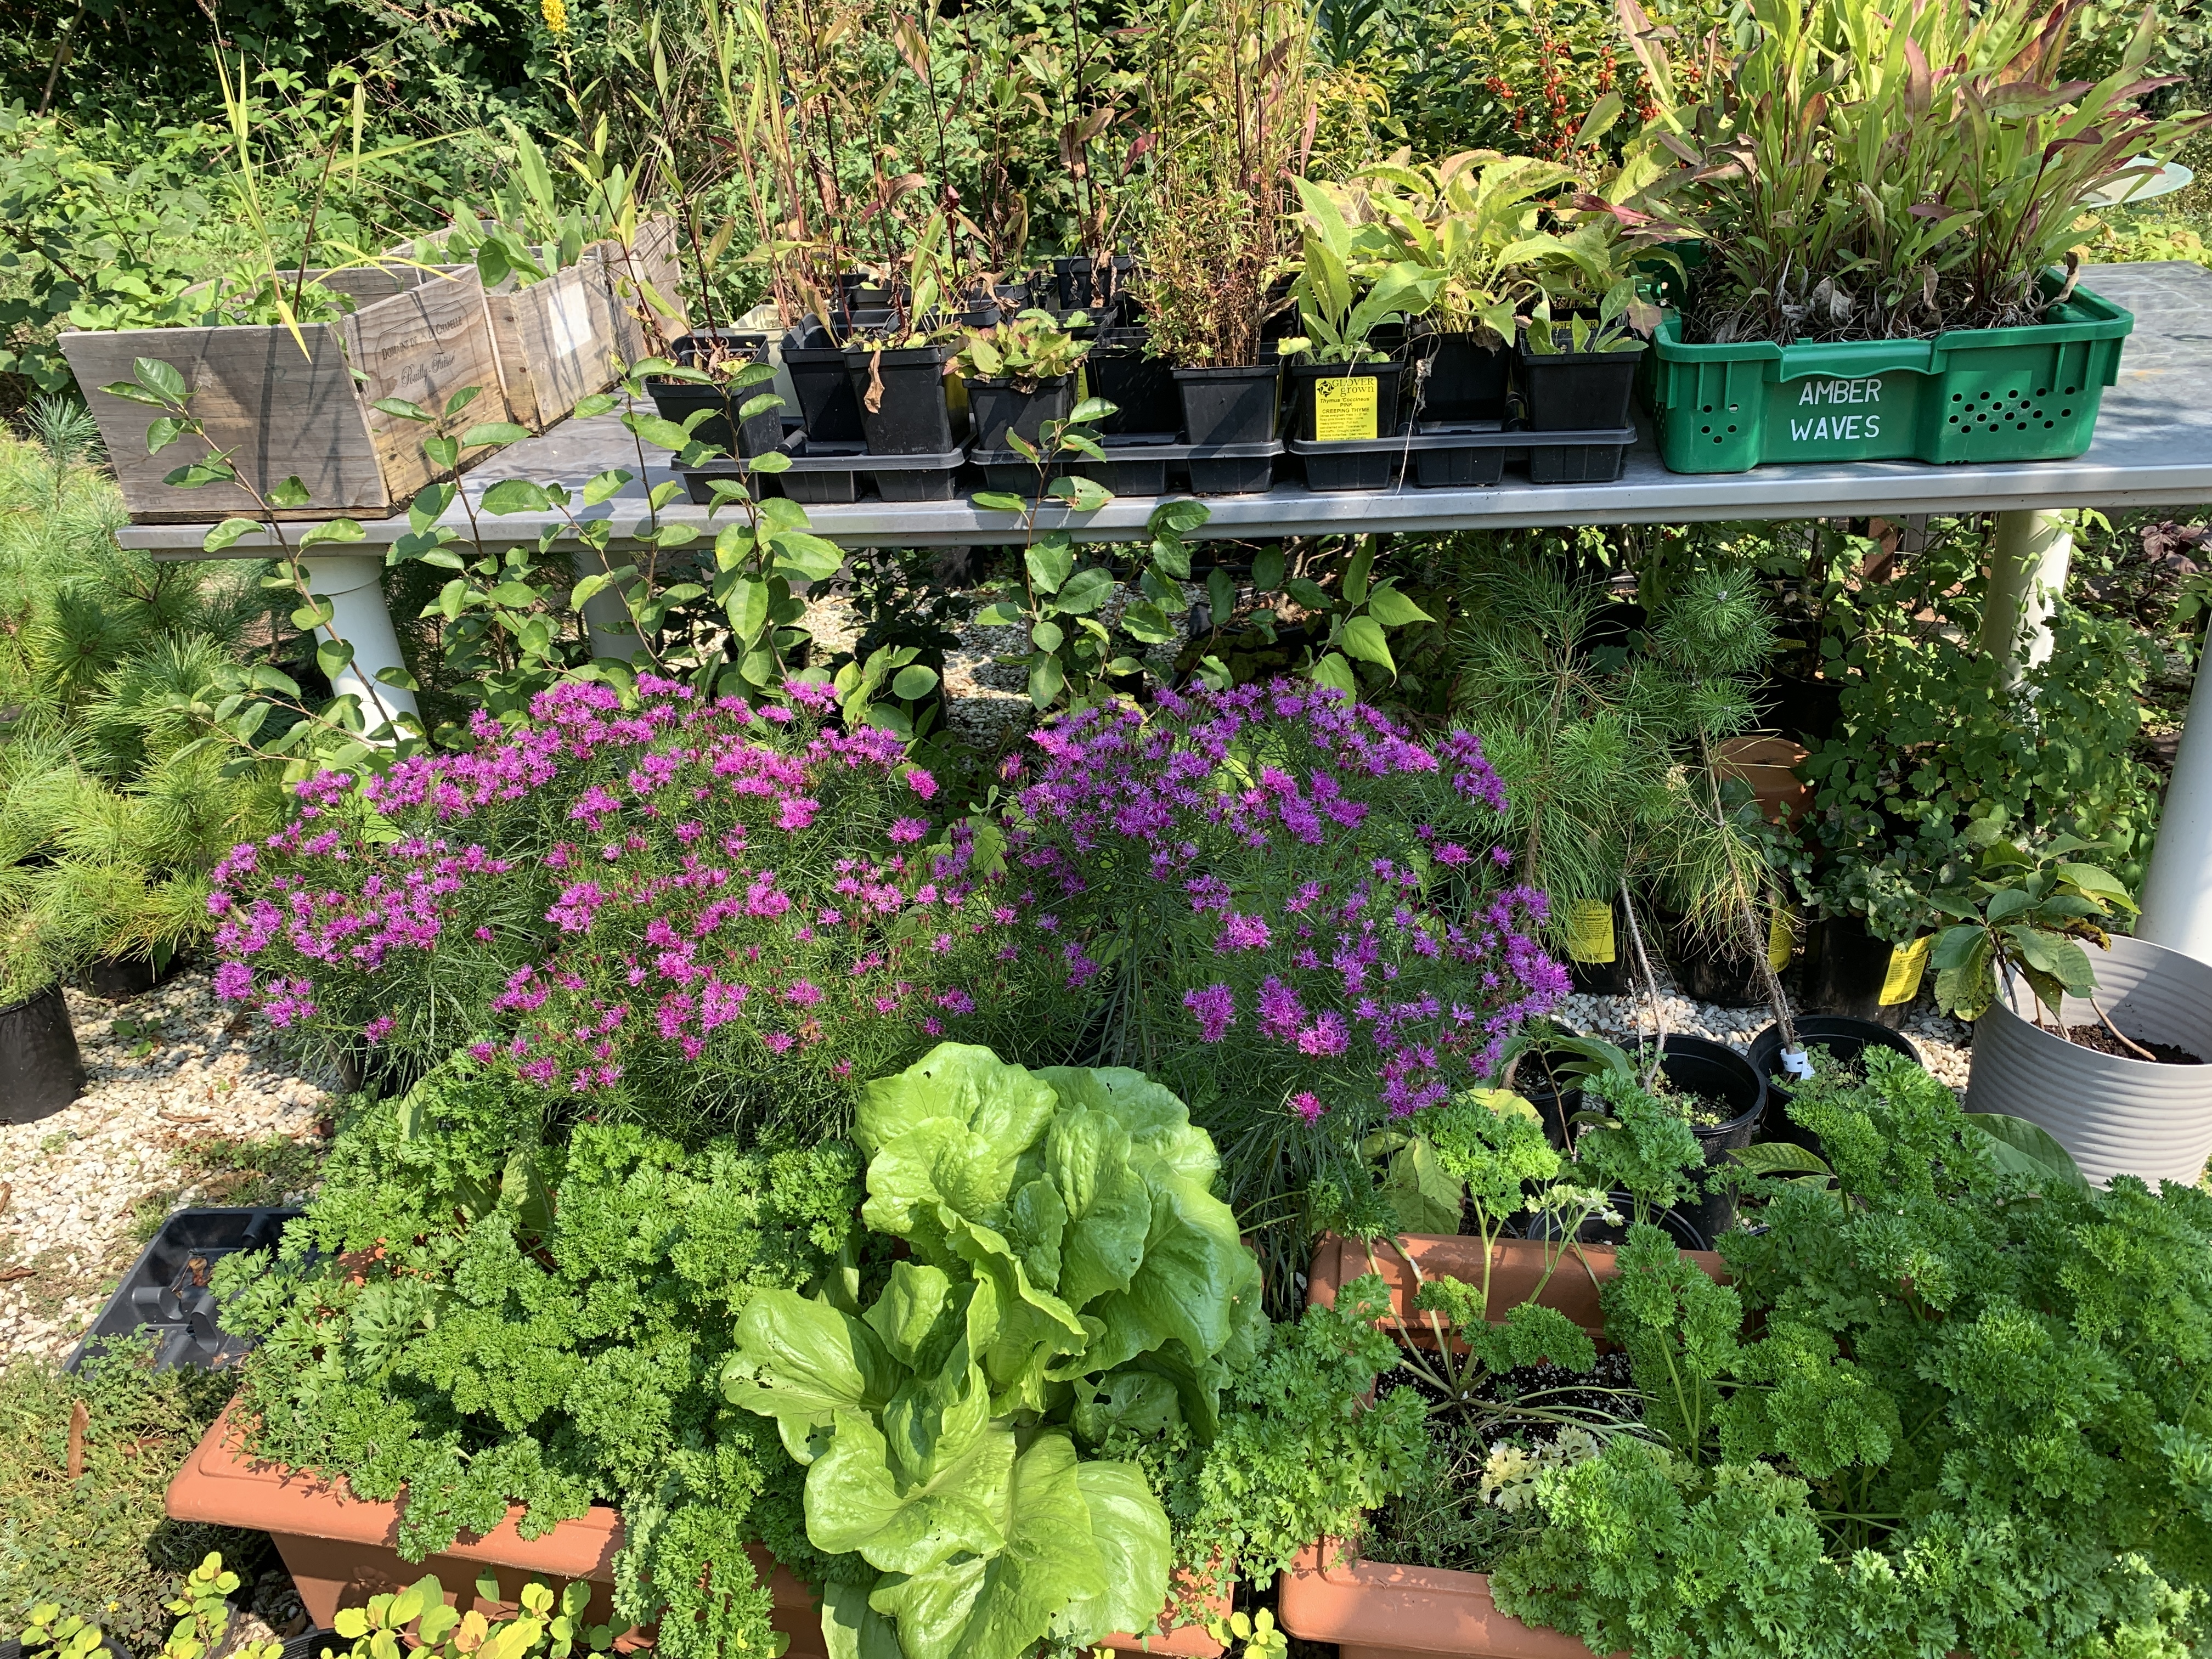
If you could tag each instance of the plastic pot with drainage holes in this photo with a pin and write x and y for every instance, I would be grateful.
(2027, 393)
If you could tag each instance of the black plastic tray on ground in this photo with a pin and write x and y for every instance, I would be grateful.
(166, 1291)
(1142, 463)
(1464, 454)
(825, 474)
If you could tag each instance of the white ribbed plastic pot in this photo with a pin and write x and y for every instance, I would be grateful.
(2117, 1116)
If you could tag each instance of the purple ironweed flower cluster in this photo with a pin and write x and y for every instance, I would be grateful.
(674, 910)
(1301, 902)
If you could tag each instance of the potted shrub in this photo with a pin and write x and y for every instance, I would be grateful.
(1839, 314)
(1019, 374)
(1213, 245)
(1809, 1435)
(721, 375)
(2105, 1046)
(1345, 389)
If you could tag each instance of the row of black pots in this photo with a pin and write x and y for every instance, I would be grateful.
(1560, 391)
(1842, 970)
(1759, 1107)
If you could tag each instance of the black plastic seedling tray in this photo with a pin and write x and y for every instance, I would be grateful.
(826, 474)
(166, 1292)
(1460, 455)
(1142, 463)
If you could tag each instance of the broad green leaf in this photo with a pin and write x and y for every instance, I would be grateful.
(1363, 638)
(1144, 1403)
(1393, 610)
(514, 495)
(332, 530)
(135, 393)
(1335, 669)
(442, 453)
(1049, 562)
(1086, 591)
(801, 1361)
(1046, 636)
(1130, 1531)
(998, 501)
(290, 492)
(907, 1311)
(1156, 1118)
(1779, 1157)
(403, 408)
(999, 614)
(2019, 1147)
(1424, 1199)
(799, 553)
(1001, 1604)
(1268, 569)
(1311, 595)
(224, 534)
(851, 1629)
(1108, 1206)
(913, 681)
(854, 1502)
(773, 462)
(494, 431)
(1149, 623)
(664, 434)
(1004, 1104)
(747, 609)
(1355, 574)
(164, 431)
(159, 378)
(1046, 680)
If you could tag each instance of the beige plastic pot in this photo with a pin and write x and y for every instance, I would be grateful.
(341, 1550)
(2116, 1114)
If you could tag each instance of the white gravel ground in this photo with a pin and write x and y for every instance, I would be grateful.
(69, 1182)
(1943, 1043)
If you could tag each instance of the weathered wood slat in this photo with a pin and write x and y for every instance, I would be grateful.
(287, 405)
(553, 349)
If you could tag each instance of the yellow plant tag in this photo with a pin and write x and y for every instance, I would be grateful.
(1343, 407)
(1589, 932)
(1906, 964)
(1779, 938)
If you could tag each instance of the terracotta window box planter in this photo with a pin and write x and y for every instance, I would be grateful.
(1515, 1266)
(341, 1550)
(1375, 1610)
(1382, 1610)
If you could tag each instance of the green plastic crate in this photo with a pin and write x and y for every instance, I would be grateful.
(1973, 394)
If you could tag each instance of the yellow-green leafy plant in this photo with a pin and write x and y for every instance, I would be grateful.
(419, 1623)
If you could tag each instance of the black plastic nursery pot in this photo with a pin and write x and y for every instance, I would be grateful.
(1577, 390)
(40, 1069)
(1700, 1065)
(678, 400)
(1846, 1039)
(829, 409)
(1230, 405)
(912, 415)
(119, 979)
(1333, 402)
(1141, 386)
(996, 408)
(1465, 381)
(1704, 974)
(1848, 971)
(1077, 284)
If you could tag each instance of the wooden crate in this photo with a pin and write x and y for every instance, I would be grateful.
(557, 344)
(652, 260)
(418, 335)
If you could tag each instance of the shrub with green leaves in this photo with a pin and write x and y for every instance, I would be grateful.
(1972, 1417)
(477, 1323)
(1071, 1273)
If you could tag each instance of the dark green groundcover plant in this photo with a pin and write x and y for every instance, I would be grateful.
(1071, 1274)
(479, 1326)
(1977, 1417)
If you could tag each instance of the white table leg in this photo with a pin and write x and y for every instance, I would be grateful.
(2177, 892)
(354, 584)
(607, 622)
(2027, 573)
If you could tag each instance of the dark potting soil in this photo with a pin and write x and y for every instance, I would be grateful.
(1441, 1519)
(2097, 1037)
(1703, 1110)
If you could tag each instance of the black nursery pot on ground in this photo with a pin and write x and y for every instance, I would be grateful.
(119, 979)
(1851, 972)
(1705, 975)
(998, 407)
(40, 1070)
(1465, 381)
(1577, 390)
(911, 413)
(1846, 1041)
(1230, 405)
(678, 400)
